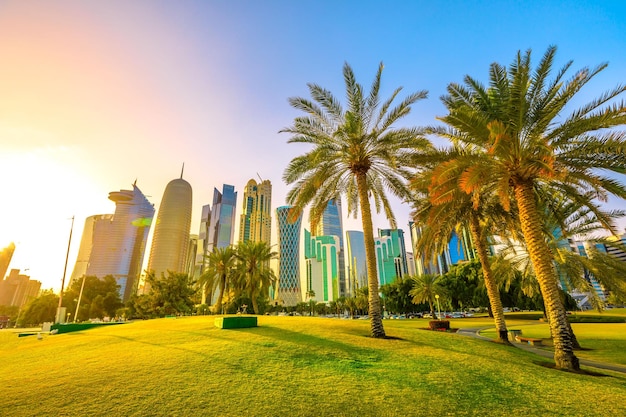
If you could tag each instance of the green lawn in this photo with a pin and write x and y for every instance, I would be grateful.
(288, 366)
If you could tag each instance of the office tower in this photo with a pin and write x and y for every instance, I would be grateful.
(222, 224)
(202, 247)
(410, 261)
(397, 250)
(322, 266)
(17, 289)
(5, 258)
(256, 218)
(115, 244)
(289, 287)
(331, 224)
(86, 244)
(170, 241)
(356, 261)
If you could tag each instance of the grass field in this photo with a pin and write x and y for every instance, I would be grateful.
(288, 366)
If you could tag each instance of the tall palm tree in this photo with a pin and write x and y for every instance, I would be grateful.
(444, 208)
(219, 272)
(530, 146)
(426, 288)
(254, 277)
(358, 153)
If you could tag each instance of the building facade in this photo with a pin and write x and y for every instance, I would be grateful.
(86, 244)
(115, 244)
(331, 224)
(321, 254)
(256, 217)
(289, 289)
(222, 223)
(17, 289)
(170, 242)
(6, 254)
(356, 262)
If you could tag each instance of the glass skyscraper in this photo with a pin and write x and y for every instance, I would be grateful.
(222, 225)
(256, 217)
(322, 266)
(331, 224)
(356, 261)
(289, 287)
(115, 244)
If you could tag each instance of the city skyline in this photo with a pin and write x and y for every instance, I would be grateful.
(96, 96)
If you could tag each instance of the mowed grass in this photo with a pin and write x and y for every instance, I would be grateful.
(288, 366)
(601, 342)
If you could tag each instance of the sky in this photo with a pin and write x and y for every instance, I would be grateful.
(95, 95)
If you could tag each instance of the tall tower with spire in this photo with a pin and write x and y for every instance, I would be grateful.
(170, 242)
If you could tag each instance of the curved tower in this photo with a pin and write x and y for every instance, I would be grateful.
(170, 242)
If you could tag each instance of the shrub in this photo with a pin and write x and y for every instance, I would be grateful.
(439, 324)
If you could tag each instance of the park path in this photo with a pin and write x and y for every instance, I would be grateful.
(475, 333)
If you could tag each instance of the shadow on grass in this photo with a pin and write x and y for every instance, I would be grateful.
(551, 365)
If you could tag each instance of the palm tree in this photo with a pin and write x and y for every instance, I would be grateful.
(356, 152)
(219, 272)
(529, 146)
(254, 277)
(426, 288)
(445, 208)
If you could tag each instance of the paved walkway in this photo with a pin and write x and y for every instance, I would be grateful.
(475, 333)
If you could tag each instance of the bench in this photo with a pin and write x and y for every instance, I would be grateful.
(529, 340)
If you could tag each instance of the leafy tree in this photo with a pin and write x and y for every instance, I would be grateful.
(530, 147)
(425, 288)
(106, 289)
(396, 296)
(357, 152)
(253, 276)
(464, 285)
(171, 294)
(10, 311)
(218, 274)
(39, 310)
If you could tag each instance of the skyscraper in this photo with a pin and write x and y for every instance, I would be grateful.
(356, 261)
(17, 289)
(170, 241)
(256, 218)
(202, 247)
(331, 224)
(322, 266)
(115, 244)
(222, 224)
(87, 242)
(289, 287)
(397, 249)
(5, 259)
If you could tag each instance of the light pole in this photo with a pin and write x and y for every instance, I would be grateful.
(438, 309)
(60, 317)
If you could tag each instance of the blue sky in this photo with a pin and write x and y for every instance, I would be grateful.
(98, 94)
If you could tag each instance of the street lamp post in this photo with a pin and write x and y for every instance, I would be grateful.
(438, 309)
(60, 316)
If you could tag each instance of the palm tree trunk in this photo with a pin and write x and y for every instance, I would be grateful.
(490, 283)
(376, 321)
(542, 260)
